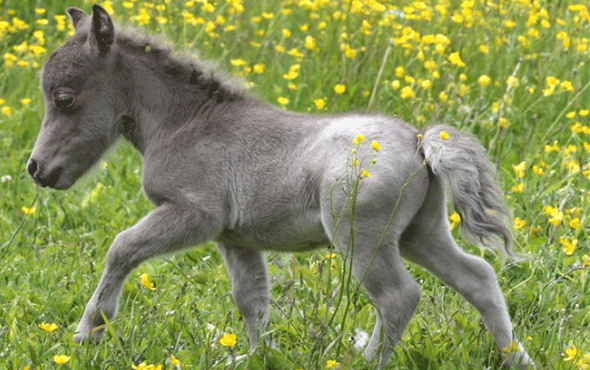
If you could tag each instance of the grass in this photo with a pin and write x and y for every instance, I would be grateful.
(422, 61)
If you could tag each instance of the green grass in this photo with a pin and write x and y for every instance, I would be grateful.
(51, 258)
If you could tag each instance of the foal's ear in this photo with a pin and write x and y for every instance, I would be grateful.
(102, 30)
(77, 15)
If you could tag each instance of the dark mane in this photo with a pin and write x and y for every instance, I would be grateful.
(163, 61)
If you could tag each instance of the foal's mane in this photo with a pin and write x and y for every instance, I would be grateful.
(186, 70)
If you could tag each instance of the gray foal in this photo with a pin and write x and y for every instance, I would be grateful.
(221, 166)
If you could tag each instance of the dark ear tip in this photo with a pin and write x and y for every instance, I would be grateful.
(98, 9)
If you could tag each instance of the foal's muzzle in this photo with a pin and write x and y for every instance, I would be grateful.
(41, 177)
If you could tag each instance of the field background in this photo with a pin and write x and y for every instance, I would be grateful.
(514, 73)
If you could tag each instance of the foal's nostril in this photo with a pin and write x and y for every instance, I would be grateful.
(32, 167)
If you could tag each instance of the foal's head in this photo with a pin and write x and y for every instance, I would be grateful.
(82, 105)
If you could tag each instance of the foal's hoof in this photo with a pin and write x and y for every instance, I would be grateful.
(93, 335)
(520, 360)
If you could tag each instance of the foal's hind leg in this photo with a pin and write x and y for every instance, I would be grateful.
(250, 289)
(428, 242)
(394, 292)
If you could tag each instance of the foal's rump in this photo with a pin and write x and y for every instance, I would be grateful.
(381, 186)
(385, 185)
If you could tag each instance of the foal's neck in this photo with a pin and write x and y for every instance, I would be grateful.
(166, 92)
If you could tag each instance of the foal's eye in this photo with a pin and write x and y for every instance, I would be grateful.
(64, 99)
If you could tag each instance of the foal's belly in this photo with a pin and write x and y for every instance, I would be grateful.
(296, 233)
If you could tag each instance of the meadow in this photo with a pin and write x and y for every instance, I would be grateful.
(514, 73)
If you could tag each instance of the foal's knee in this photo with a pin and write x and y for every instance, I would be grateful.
(121, 254)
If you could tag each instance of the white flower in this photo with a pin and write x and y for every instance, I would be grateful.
(360, 339)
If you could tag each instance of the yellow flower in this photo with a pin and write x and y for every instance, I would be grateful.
(310, 42)
(455, 219)
(25, 101)
(358, 139)
(575, 223)
(571, 353)
(93, 195)
(146, 282)
(503, 122)
(48, 327)
(340, 89)
(228, 340)
(331, 364)
(407, 92)
(567, 86)
(282, 100)
(365, 174)
(552, 82)
(552, 148)
(444, 135)
(512, 82)
(549, 91)
(238, 62)
(426, 84)
(61, 359)
(319, 103)
(293, 74)
(108, 6)
(519, 223)
(484, 80)
(208, 7)
(518, 188)
(455, 59)
(538, 170)
(348, 51)
(569, 245)
(258, 68)
(556, 219)
(511, 348)
(295, 53)
(509, 23)
(174, 361)
(28, 211)
(145, 366)
(6, 110)
(375, 145)
(520, 169)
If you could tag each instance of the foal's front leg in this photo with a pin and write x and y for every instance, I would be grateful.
(249, 279)
(166, 229)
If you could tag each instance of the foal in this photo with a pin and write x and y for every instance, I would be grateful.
(221, 166)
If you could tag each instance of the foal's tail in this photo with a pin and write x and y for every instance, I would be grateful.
(463, 162)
